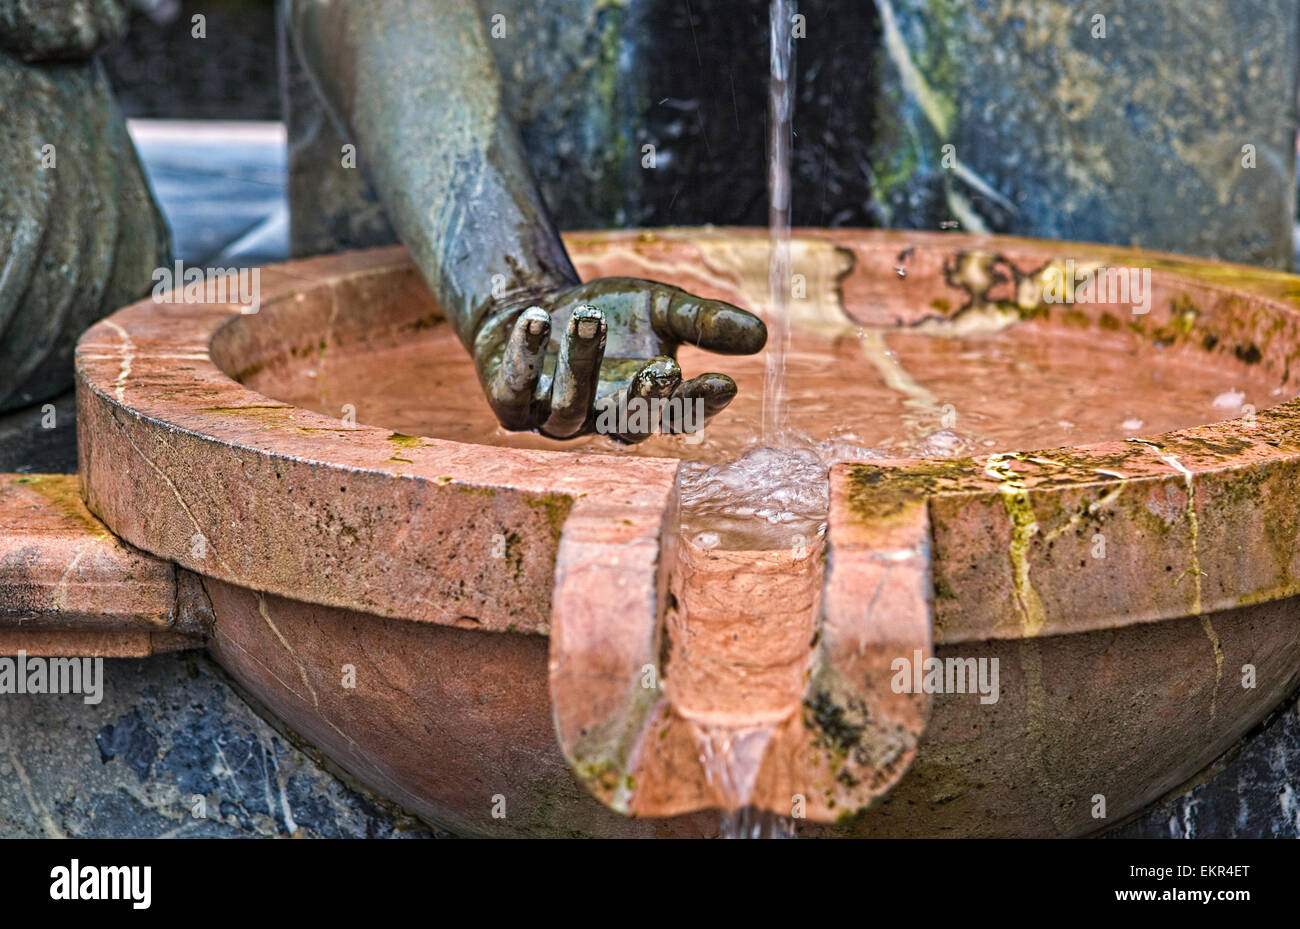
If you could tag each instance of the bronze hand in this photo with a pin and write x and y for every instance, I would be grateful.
(615, 340)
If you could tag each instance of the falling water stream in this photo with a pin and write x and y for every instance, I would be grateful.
(780, 139)
(791, 483)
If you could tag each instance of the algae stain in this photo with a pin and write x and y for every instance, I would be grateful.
(555, 507)
(1031, 666)
(1024, 526)
(245, 408)
(63, 493)
(1193, 528)
(1218, 661)
(1089, 509)
(1197, 574)
(603, 758)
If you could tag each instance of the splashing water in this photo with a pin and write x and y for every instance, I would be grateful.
(761, 499)
(766, 500)
(779, 142)
(731, 756)
(749, 823)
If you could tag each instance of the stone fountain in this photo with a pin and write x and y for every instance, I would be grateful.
(521, 618)
(1054, 574)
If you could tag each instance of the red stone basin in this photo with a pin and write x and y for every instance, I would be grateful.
(487, 592)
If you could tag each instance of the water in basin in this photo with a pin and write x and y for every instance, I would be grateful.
(898, 393)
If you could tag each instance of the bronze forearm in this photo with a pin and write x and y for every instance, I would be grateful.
(414, 86)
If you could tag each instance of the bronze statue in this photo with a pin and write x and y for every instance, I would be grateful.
(413, 85)
(80, 234)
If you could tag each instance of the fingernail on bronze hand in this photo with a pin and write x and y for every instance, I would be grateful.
(513, 389)
(573, 388)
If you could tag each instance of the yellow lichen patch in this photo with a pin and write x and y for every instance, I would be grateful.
(880, 495)
(1091, 509)
(1024, 526)
(63, 493)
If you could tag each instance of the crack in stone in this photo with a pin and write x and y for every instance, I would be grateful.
(128, 355)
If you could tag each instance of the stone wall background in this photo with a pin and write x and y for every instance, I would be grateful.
(1124, 124)
(160, 71)
(1131, 137)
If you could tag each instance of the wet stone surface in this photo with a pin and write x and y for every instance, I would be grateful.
(172, 750)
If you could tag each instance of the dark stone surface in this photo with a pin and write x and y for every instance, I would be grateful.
(590, 83)
(1131, 138)
(40, 440)
(1134, 138)
(60, 30)
(170, 740)
(707, 95)
(576, 78)
(162, 71)
(1255, 793)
